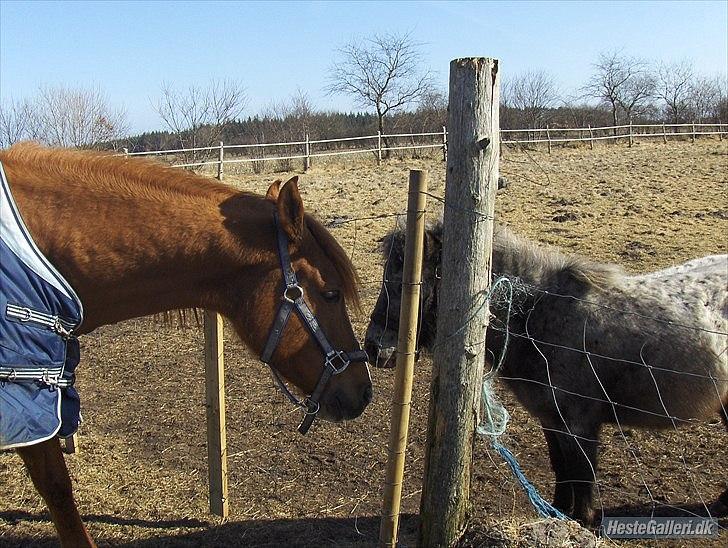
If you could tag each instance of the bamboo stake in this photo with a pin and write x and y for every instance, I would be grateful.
(406, 342)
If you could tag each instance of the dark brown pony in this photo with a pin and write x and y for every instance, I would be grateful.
(134, 238)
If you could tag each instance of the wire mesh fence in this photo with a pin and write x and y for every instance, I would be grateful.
(632, 366)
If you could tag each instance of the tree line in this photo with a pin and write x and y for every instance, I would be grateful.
(385, 77)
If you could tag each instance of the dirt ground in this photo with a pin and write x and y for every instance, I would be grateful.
(141, 476)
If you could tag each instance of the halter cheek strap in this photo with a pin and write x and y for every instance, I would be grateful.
(335, 361)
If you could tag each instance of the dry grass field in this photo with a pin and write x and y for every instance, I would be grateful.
(141, 477)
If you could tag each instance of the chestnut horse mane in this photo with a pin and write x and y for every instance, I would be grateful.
(341, 261)
(153, 180)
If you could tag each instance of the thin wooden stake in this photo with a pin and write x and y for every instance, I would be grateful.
(407, 339)
(215, 404)
(664, 133)
(692, 138)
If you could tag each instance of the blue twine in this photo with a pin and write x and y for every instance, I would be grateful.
(496, 419)
(544, 508)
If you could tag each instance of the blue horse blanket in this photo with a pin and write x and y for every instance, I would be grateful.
(39, 312)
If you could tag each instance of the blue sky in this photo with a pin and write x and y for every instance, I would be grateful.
(273, 48)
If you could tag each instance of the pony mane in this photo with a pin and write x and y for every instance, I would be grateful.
(338, 256)
(540, 262)
(535, 262)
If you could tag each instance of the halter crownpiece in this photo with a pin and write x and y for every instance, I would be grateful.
(335, 361)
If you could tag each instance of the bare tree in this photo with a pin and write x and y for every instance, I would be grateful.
(198, 115)
(674, 83)
(61, 116)
(382, 73)
(625, 84)
(77, 117)
(431, 113)
(17, 122)
(532, 94)
(707, 97)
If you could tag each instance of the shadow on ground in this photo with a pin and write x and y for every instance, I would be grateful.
(296, 533)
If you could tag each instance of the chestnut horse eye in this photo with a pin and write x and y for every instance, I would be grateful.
(332, 296)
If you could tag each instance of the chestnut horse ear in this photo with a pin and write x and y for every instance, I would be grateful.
(273, 191)
(290, 209)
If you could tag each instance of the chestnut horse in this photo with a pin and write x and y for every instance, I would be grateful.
(134, 237)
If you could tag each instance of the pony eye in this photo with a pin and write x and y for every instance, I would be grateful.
(332, 296)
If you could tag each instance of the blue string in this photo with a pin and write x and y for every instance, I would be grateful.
(496, 419)
(544, 508)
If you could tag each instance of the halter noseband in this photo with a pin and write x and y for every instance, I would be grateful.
(335, 361)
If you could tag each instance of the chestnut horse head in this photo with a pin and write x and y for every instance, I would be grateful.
(301, 327)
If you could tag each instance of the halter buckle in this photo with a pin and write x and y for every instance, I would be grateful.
(293, 293)
(339, 356)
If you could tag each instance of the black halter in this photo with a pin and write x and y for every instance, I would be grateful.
(335, 361)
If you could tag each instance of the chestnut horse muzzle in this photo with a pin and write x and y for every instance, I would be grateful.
(335, 361)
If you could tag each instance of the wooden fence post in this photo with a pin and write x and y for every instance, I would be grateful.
(630, 133)
(548, 137)
(444, 143)
(692, 138)
(664, 133)
(307, 159)
(471, 184)
(591, 138)
(407, 339)
(720, 131)
(379, 147)
(215, 405)
(70, 445)
(220, 160)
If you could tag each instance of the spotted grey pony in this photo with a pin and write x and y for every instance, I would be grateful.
(587, 345)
